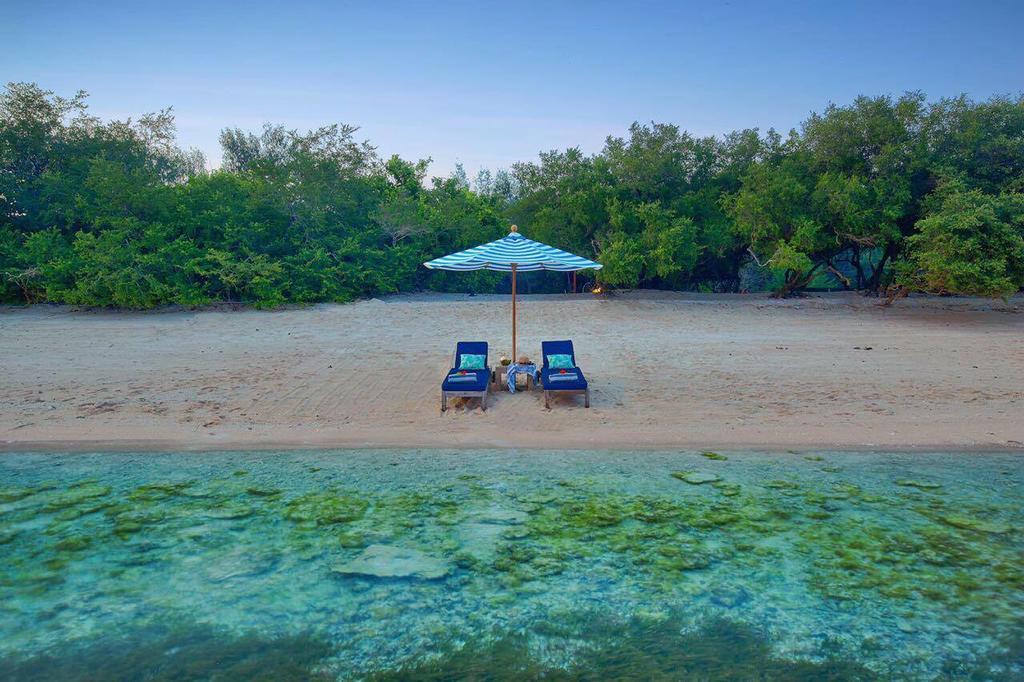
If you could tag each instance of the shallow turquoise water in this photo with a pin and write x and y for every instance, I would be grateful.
(564, 564)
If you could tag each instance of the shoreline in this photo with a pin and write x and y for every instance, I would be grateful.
(170, 447)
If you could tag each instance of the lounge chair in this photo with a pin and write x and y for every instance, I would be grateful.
(467, 382)
(568, 379)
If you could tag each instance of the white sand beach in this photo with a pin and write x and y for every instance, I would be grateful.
(666, 370)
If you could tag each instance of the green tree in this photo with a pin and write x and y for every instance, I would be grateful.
(969, 243)
(114, 213)
(775, 215)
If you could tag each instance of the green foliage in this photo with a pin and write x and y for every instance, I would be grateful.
(623, 261)
(648, 207)
(113, 213)
(852, 181)
(971, 243)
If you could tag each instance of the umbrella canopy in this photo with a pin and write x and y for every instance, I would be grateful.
(512, 254)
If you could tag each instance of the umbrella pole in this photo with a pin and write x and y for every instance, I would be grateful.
(514, 356)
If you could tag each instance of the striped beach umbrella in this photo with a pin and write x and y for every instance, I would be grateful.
(514, 253)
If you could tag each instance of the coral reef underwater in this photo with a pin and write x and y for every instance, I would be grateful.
(412, 564)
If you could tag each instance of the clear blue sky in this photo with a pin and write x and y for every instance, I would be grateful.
(489, 84)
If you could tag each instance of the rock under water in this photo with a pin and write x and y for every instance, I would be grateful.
(386, 561)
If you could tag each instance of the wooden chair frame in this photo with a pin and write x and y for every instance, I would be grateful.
(577, 391)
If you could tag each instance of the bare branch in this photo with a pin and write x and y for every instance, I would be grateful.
(757, 260)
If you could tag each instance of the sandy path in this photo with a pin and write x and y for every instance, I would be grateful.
(675, 371)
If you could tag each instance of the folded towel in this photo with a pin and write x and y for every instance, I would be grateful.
(516, 368)
(462, 377)
(552, 378)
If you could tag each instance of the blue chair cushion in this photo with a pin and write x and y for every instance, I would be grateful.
(466, 380)
(556, 380)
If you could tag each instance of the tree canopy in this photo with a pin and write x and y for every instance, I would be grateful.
(883, 192)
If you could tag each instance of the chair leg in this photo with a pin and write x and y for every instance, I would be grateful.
(483, 401)
(444, 401)
(586, 399)
(547, 403)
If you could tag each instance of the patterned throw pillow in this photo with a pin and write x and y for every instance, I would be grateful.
(473, 362)
(560, 361)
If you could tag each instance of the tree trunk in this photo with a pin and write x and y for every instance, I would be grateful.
(795, 281)
(840, 276)
(855, 260)
(876, 276)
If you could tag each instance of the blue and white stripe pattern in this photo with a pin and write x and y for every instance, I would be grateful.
(515, 249)
(514, 369)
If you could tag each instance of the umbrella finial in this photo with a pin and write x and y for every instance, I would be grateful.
(515, 228)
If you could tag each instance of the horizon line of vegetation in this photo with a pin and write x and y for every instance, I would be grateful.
(885, 195)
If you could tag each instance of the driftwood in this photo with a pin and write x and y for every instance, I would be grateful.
(893, 293)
